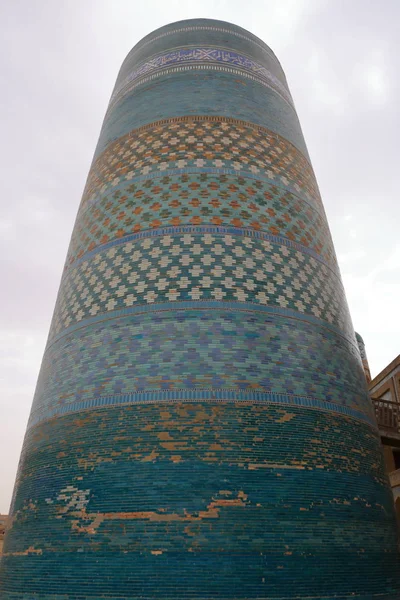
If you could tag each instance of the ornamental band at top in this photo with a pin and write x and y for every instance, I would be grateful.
(201, 427)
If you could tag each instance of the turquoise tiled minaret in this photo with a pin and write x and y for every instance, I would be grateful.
(201, 427)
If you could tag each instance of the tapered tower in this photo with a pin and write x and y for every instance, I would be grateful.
(201, 427)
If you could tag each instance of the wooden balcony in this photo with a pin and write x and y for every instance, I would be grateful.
(388, 416)
(394, 478)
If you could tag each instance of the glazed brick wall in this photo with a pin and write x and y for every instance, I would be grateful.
(202, 500)
(201, 35)
(198, 94)
(200, 351)
(201, 427)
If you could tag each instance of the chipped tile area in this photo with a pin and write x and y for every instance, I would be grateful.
(202, 488)
(201, 427)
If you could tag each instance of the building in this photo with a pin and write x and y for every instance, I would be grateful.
(3, 521)
(201, 427)
(385, 394)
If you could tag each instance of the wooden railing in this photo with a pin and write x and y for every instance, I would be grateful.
(387, 414)
(394, 478)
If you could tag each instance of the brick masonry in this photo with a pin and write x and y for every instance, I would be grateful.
(3, 521)
(364, 359)
(201, 426)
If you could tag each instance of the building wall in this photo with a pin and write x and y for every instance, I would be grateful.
(386, 384)
(3, 521)
(385, 394)
(201, 427)
(389, 458)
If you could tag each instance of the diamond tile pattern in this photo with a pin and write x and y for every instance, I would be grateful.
(197, 199)
(201, 143)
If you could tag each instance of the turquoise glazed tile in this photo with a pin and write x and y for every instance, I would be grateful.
(201, 427)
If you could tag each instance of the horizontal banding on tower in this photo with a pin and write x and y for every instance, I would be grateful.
(201, 426)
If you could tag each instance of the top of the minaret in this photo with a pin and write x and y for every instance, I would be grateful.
(201, 25)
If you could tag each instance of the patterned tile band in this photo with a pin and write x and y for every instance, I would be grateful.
(194, 266)
(195, 349)
(253, 40)
(200, 199)
(222, 395)
(188, 94)
(198, 172)
(201, 144)
(207, 58)
(201, 427)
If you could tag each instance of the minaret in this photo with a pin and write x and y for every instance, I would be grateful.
(201, 427)
(364, 358)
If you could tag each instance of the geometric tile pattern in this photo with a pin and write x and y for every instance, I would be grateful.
(198, 57)
(192, 94)
(200, 144)
(198, 199)
(174, 267)
(201, 427)
(238, 34)
(200, 349)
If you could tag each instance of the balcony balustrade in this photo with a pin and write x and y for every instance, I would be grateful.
(388, 415)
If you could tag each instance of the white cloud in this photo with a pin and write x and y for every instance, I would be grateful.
(7, 230)
(351, 256)
(372, 78)
(374, 303)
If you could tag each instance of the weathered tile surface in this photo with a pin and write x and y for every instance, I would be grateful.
(201, 428)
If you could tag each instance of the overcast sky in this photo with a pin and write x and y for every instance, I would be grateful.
(59, 60)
